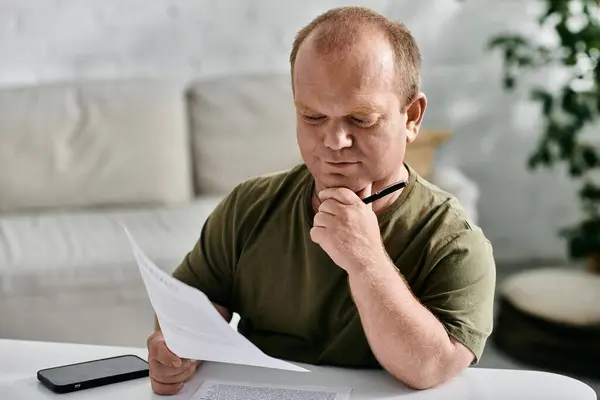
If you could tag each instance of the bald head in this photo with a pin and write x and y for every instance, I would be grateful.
(358, 34)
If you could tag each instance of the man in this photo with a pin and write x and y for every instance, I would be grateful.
(318, 276)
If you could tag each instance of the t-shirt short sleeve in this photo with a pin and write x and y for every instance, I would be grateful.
(460, 289)
(210, 265)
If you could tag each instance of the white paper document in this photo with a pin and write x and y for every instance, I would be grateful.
(191, 325)
(221, 390)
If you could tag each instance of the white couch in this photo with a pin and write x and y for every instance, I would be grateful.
(77, 159)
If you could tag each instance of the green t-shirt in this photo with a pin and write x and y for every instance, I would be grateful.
(255, 257)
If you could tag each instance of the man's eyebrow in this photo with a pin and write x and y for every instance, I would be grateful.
(366, 109)
(362, 109)
(302, 106)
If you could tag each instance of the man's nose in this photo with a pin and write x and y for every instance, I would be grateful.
(337, 138)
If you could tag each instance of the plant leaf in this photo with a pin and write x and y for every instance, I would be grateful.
(545, 98)
(590, 192)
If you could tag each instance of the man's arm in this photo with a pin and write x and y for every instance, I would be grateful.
(429, 340)
(405, 337)
(410, 338)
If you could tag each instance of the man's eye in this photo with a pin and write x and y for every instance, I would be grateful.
(362, 122)
(314, 119)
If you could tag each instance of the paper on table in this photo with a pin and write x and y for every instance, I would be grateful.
(221, 390)
(191, 325)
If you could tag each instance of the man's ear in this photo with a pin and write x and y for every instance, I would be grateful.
(414, 116)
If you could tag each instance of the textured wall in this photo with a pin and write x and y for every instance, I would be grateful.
(49, 40)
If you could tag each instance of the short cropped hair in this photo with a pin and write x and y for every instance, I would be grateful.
(338, 29)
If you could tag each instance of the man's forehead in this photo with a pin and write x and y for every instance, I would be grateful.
(355, 73)
(343, 77)
(343, 85)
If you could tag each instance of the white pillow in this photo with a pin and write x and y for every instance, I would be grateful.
(93, 143)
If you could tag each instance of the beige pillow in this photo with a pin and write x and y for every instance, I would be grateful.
(95, 143)
(242, 126)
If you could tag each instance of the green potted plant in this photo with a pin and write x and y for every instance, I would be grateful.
(570, 110)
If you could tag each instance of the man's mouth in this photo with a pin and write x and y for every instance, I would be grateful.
(341, 163)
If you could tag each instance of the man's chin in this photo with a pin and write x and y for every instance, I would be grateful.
(338, 180)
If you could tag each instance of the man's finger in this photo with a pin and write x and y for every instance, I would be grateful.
(316, 234)
(162, 354)
(174, 375)
(159, 369)
(188, 373)
(165, 388)
(331, 207)
(342, 195)
(323, 219)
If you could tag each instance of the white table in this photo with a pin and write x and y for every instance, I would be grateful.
(20, 360)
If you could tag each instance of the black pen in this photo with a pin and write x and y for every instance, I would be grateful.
(385, 191)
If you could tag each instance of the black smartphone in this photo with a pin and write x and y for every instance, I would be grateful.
(88, 374)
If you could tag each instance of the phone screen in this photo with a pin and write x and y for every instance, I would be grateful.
(72, 374)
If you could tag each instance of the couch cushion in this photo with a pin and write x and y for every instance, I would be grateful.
(66, 251)
(93, 143)
(242, 126)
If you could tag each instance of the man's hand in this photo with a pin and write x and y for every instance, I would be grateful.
(167, 371)
(347, 229)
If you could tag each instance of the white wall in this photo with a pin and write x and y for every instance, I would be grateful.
(43, 41)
